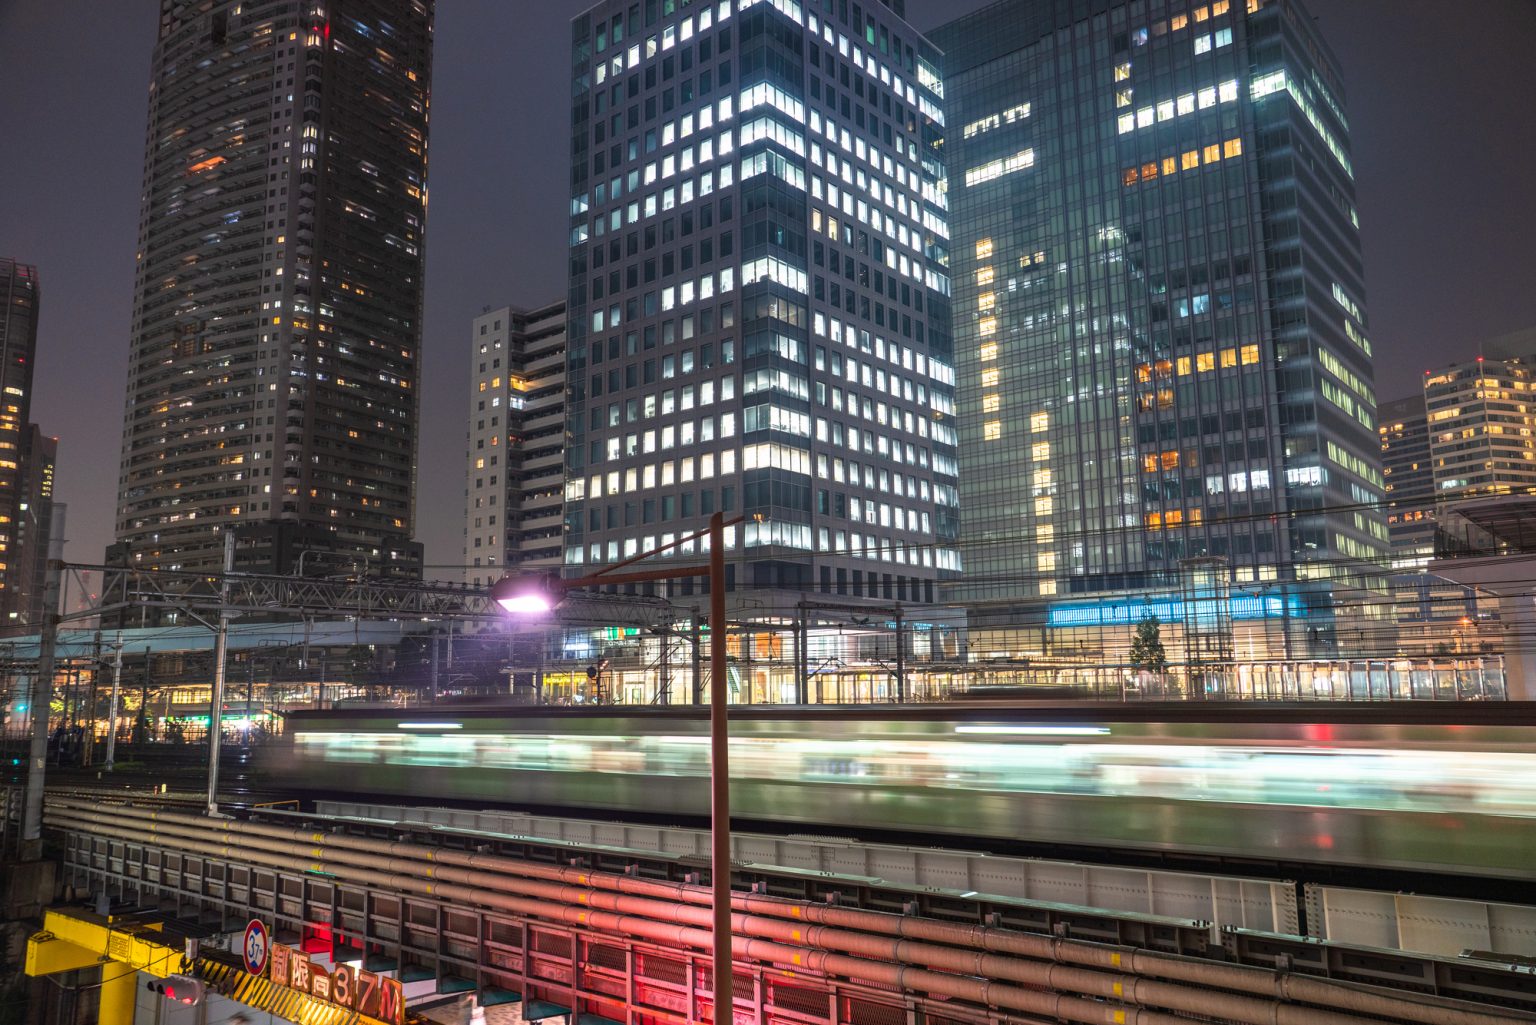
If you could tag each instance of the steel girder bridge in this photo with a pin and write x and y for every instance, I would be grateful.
(599, 939)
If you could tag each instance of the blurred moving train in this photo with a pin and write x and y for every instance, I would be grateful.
(1448, 788)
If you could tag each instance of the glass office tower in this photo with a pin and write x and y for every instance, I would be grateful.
(1160, 332)
(274, 356)
(759, 315)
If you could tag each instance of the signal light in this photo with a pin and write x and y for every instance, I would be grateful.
(183, 989)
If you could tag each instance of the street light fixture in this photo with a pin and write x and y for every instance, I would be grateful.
(525, 596)
(530, 596)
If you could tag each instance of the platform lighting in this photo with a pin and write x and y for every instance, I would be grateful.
(528, 596)
(536, 596)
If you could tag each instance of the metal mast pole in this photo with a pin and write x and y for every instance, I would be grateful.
(436, 647)
(39, 703)
(698, 668)
(802, 656)
(216, 704)
(719, 777)
(117, 683)
(88, 747)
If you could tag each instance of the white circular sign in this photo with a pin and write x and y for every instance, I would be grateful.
(256, 947)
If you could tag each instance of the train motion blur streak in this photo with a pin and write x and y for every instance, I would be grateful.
(1384, 786)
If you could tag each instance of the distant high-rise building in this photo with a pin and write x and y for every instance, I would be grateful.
(33, 533)
(514, 482)
(20, 298)
(1467, 437)
(1410, 479)
(759, 321)
(274, 361)
(1159, 325)
(1467, 434)
(1481, 419)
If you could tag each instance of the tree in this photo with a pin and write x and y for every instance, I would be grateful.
(1147, 654)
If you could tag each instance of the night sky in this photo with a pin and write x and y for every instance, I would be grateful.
(1439, 100)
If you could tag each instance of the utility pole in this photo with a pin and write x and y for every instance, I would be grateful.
(144, 695)
(901, 660)
(801, 681)
(719, 781)
(435, 647)
(39, 702)
(538, 672)
(67, 705)
(698, 666)
(664, 684)
(746, 658)
(117, 683)
(88, 747)
(547, 596)
(220, 649)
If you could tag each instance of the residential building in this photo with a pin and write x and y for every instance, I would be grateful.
(1160, 332)
(514, 485)
(274, 358)
(1451, 453)
(1480, 419)
(759, 314)
(1408, 470)
(20, 301)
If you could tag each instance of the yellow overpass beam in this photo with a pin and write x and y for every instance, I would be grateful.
(69, 936)
(121, 948)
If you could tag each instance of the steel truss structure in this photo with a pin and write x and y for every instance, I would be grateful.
(204, 595)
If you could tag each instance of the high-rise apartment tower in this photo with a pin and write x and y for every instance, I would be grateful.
(514, 480)
(20, 298)
(1481, 417)
(1164, 368)
(759, 314)
(274, 357)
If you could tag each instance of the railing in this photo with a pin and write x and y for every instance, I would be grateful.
(1407, 679)
(771, 682)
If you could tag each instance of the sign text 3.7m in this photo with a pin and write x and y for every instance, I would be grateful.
(371, 995)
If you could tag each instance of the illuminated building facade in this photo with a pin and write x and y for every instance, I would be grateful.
(1409, 473)
(33, 533)
(20, 300)
(274, 356)
(515, 474)
(1468, 436)
(1481, 418)
(759, 314)
(1159, 327)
